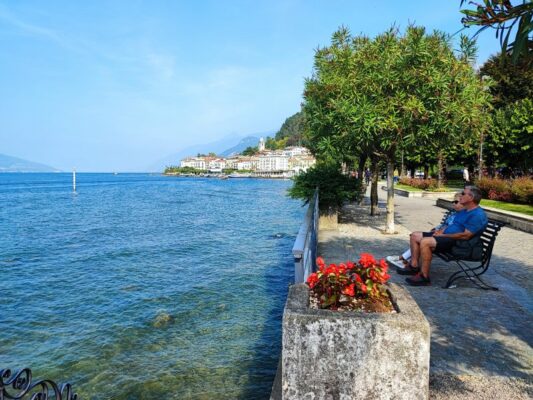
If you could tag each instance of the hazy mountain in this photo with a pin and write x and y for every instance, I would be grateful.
(14, 164)
(224, 145)
(248, 141)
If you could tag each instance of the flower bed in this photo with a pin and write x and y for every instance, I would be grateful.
(351, 286)
(429, 185)
(519, 190)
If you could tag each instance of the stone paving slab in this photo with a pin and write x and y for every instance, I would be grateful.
(477, 335)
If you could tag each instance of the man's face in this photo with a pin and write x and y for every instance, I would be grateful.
(466, 197)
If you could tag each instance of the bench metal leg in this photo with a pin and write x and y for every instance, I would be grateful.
(471, 275)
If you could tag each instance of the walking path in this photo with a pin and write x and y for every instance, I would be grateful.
(481, 341)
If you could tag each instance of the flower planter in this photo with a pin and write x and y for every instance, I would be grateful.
(353, 355)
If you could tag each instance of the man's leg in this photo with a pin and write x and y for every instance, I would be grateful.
(427, 247)
(414, 243)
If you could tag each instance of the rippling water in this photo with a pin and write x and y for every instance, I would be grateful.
(145, 287)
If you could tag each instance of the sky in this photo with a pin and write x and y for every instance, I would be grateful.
(117, 85)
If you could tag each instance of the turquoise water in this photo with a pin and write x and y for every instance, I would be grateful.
(145, 287)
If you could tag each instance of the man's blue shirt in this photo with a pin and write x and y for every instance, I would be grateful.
(473, 220)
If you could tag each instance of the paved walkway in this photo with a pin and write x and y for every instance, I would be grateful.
(481, 341)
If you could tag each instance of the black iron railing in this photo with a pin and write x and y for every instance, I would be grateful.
(19, 386)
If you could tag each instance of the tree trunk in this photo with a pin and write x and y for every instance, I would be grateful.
(390, 198)
(361, 167)
(426, 171)
(440, 169)
(374, 188)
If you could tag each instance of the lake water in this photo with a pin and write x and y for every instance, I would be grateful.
(145, 287)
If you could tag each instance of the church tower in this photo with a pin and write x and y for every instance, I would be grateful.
(261, 144)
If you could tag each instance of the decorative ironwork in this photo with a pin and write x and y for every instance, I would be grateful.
(18, 386)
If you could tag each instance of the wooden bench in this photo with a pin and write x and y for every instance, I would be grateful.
(478, 265)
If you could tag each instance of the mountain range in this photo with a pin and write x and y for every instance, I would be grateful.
(15, 164)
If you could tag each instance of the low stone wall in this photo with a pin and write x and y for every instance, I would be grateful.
(522, 223)
(354, 355)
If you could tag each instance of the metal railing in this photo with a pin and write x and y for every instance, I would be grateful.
(305, 245)
(19, 385)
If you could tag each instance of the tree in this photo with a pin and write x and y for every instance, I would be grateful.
(250, 151)
(390, 94)
(292, 130)
(510, 82)
(511, 140)
(502, 16)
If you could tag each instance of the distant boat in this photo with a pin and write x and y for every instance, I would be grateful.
(223, 177)
(240, 175)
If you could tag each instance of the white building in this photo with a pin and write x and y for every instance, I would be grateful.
(302, 163)
(275, 161)
(293, 151)
(194, 162)
(216, 164)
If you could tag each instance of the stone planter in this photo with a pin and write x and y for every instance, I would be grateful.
(328, 219)
(352, 355)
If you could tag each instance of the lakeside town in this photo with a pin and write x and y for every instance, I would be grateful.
(264, 163)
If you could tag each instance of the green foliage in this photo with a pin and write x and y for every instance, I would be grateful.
(182, 170)
(504, 17)
(274, 144)
(334, 187)
(509, 82)
(292, 130)
(378, 96)
(250, 151)
(511, 137)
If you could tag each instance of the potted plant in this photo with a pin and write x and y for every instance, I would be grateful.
(347, 333)
(334, 188)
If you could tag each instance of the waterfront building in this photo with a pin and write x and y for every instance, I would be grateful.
(273, 161)
(194, 162)
(302, 163)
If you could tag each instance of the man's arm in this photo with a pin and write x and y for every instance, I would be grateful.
(466, 235)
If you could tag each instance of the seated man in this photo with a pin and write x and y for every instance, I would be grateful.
(467, 223)
(404, 259)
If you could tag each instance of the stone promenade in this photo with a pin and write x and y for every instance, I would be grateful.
(481, 341)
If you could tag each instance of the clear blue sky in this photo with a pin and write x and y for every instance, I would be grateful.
(117, 85)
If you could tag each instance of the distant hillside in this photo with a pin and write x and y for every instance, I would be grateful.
(14, 164)
(219, 147)
(248, 141)
(292, 130)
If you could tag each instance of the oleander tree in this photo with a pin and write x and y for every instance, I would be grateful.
(506, 19)
(392, 93)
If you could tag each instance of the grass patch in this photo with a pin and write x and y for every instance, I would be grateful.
(408, 188)
(413, 189)
(502, 205)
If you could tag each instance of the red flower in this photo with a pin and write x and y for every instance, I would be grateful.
(383, 264)
(358, 278)
(320, 262)
(312, 280)
(364, 289)
(350, 265)
(349, 290)
(367, 260)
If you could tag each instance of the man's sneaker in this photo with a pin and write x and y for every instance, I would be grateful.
(408, 270)
(392, 259)
(418, 280)
(396, 261)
